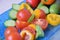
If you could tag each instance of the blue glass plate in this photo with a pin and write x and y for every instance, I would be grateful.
(51, 33)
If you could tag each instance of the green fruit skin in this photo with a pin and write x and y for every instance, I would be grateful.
(39, 31)
(40, 5)
(54, 8)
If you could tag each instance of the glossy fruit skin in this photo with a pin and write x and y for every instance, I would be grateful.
(21, 24)
(13, 36)
(48, 2)
(23, 15)
(53, 19)
(42, 23)
(39, 14)
(33, 3)
(10, 30)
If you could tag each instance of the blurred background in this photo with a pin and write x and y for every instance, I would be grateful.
(7, 4)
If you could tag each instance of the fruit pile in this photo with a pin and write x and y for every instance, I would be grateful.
(31, 19)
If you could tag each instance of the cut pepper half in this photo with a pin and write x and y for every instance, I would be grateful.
(53, 19)
(26, 6)
(26, 35)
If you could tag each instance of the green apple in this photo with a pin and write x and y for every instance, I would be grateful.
(54, 8)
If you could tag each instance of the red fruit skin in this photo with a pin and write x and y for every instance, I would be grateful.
(41, 22)
(9, 30)
(14, 36)
(23, 15)
(42, 14)
(33, 3)
(21, 24)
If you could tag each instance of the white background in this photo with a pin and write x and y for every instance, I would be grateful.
(7, 4)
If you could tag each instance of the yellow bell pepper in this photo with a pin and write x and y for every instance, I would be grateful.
(33, 26)
(23, 32)
(53, 19)
(59, 17)
(26, 6)
(36, 13)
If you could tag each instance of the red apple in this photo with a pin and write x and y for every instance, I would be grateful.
(21, 24)
(33, 3)
(23, 15)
